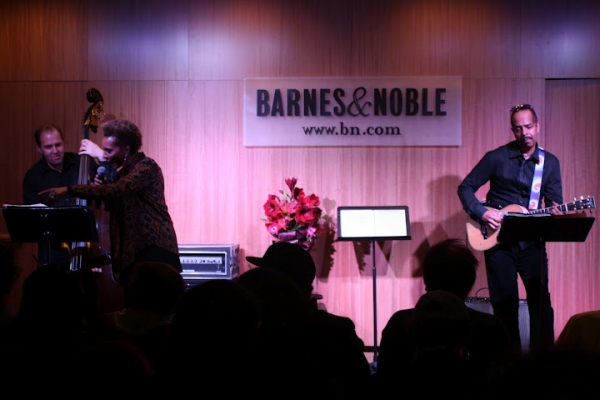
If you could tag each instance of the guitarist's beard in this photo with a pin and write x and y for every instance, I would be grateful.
(526, 143)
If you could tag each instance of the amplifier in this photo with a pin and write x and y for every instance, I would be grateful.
(483, 304)
(201, 262)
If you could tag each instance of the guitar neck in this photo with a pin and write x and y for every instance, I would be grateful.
(562, 207)
(583, 204)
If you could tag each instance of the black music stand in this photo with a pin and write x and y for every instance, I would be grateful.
(35, 224)
(373, 223)
(545, 228)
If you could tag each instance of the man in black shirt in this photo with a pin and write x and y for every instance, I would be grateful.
(513, 172)
(55, 168)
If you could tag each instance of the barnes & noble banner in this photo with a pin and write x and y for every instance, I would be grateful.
(372, 111)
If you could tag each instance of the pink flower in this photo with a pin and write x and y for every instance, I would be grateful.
(275, 226)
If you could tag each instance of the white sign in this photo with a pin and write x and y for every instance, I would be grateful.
(376, 111)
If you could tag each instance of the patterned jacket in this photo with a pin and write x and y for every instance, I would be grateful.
(139, 216)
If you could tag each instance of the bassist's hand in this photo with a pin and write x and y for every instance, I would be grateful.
(91, 149)
(492, 219)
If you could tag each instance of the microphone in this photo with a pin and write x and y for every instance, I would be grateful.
(101, 172)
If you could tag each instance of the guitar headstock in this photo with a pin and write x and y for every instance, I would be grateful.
(582, 203)
(95, 113)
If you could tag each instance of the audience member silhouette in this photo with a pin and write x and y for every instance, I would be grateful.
(440, 331)
(553, 374)
(151, 297)
(213, 341)
(285, 364)
(53, 349)
(581, 334)
(50, 327)
(9, 273)
(110, 367)
(448, 266)
(338, 360)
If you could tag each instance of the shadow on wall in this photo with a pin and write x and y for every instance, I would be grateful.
(424, 233)
(323, 249)
(441, 192)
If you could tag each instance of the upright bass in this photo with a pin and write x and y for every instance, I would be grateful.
(86, 254)
(92, 260)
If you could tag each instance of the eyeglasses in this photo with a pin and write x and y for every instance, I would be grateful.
(520, 107)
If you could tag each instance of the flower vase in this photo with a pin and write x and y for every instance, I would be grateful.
(295, 237)
(288, 236)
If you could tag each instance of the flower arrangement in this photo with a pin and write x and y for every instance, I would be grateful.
(294, 217)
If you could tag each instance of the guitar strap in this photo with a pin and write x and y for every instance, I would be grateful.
(536, 183)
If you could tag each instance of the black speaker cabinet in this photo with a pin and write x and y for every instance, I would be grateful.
(202, 262)
(483, 304)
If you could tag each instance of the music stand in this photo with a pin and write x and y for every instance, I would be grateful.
(373, 223)
(35, 224)
(543, 228)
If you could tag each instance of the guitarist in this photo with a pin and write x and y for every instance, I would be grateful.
(511, 170)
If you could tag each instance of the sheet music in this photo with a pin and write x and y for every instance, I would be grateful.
(373, 223)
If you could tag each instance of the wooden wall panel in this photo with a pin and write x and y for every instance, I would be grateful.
(16, 155)
(315, 38)
(185, 134)
(560, 40)
(44, 40)
(469, 38)
(142, 102)
(212, 181)
(176, 69)
(237, 39)
(62, 103)
(138, 40)
(17, 135)
(572, 126)
(14, 38)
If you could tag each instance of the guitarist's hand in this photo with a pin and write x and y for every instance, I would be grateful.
(555, 210)
(492, 219)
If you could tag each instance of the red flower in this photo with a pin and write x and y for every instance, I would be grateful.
(291, 183)
(272, 206)
(294, 216)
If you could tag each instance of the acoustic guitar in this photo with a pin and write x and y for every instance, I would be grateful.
(481, 237)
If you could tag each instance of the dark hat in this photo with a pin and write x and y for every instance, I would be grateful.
(290, 259)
